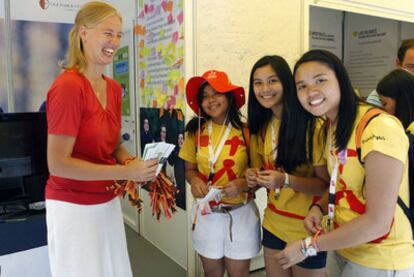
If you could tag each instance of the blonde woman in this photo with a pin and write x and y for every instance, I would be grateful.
(86, 235)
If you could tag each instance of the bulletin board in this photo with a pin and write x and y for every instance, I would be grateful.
(160, 43)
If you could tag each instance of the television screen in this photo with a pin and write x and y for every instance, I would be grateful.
(23, 163)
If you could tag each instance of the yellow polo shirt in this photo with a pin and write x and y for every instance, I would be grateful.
(232, 161)
(386, 135)
(284, 215)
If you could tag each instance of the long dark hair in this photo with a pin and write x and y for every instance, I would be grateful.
(292, 150)
(348, 105)
(399, 85)
(198, 121)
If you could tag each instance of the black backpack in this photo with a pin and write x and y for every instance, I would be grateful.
(409, 212)
(368, 116)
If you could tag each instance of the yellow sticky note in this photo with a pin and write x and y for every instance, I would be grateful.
(146, 51)
(157, 93)
(180, 52)
(168, 60)
(179, 103)
(161, 99)
(160, 47)
(142, 65)
(162, 32)
(174, 75)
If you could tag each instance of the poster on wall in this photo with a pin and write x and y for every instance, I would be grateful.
(362, 35)
(121, 75)
(3, 68)
(63, 11)
(37, 49)
(158, 124)
(407, 30)
(160, 48)
(39, 31)
(325, 30)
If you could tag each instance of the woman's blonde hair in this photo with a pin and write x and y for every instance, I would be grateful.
(89, 15)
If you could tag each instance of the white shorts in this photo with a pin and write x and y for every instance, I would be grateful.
(211, 237)
(87, 240)
(336, 265)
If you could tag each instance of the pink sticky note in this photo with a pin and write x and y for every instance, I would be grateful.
(141, 14)
(170, 18)
(175, 37)
(180, 18)
(164, 5)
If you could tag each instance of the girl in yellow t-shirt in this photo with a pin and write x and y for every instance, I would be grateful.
(288, 162)
(369, 233)
(226, 228)
(396, 92)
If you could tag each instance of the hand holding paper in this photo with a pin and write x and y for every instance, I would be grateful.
(213, 194)
(158, 150)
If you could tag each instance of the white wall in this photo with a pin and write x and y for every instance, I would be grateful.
(232, 35)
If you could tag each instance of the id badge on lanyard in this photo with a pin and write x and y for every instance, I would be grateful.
(274, 154)
(341, 160)
(213, 155)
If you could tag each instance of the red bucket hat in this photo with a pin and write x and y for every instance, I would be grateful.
(219, 81)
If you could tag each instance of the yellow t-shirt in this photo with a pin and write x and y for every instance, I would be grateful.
(411, 128)
(231, 163)
(383, 134)
(284, 216)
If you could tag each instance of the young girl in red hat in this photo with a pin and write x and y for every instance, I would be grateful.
(226, 226)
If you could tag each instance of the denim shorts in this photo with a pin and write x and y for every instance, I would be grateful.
(271, 241)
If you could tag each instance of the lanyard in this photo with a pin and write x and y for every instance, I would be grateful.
(213, 155)
(274, 153)
(341, 160)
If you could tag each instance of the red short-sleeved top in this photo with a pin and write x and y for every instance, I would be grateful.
(74, 110)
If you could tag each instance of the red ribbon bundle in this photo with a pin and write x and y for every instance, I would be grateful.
(161, 191)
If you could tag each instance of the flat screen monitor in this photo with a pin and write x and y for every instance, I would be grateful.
(23, 163)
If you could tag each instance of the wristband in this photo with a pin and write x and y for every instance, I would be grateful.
(128, 160)
(314, 240)
(317, 205)
(286, 185)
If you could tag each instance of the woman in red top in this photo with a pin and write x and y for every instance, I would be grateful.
(86, 236)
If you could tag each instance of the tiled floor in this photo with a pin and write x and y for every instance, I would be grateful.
(148, 261)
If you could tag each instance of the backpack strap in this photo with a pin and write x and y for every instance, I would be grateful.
(408, 212)
(366, 118)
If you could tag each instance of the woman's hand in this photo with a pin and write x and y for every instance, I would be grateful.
(234, 188)
(142, 171)
(313, 221)
(291, 255)
(251, 177)
(199, 189)
(270, 179)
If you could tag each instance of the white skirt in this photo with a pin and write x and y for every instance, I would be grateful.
(87, 240)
